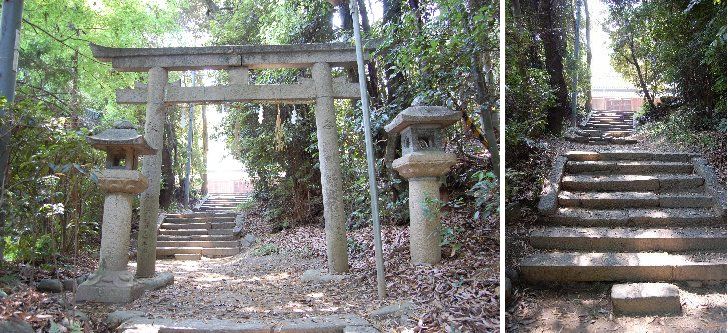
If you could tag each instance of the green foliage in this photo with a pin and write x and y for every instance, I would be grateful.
(449, 237)
(681, 49)
(265, 250)
(51, 201)
(531, 91)
(485, 192)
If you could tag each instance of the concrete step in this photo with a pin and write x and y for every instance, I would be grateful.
(633, 199)
(194, 238)
(208, 252)
(207, 244)
(570, 267)
(187, 256)
(628, 155)
(627, 217)
(628, 167)
(190, 232)
(654, 182)
(629, 239)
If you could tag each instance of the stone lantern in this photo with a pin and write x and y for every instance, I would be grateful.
(112, 283)
(423, 162)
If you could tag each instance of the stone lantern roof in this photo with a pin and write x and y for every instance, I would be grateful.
(422, 115)
(122, 135)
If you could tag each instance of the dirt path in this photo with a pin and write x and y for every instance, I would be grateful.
(460, 292)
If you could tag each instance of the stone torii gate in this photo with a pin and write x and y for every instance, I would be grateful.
(158, 93)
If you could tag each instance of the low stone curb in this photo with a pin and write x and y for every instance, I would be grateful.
(329, 324)
(712, 185)
(548, 203)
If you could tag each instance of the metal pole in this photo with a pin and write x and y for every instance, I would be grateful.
(9, 41)
(575, 79)
(374, 198)
(188, 167)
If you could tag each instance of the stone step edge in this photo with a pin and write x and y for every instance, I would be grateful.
(326, 324)
(634, 200)
(586, 267)
(628, 239)
(632, 217)
(628, 155)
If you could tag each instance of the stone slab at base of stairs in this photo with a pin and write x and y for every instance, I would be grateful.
(328, 324)
(636, 299)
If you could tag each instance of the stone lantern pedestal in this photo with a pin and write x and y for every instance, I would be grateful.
(423, 162)
(112, 283)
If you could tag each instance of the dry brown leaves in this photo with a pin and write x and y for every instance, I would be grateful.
(456, 295)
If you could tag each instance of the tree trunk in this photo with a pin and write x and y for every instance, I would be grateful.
(396, 83)
(204, 150)
(650, 99)
(167, 191)
(373, 80)
(587, 22)
(550, 37)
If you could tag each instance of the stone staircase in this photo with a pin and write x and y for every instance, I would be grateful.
(208, 231)
(606, 127)
(222, 202)
(629, 216)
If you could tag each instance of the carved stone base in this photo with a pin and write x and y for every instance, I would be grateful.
(110, 287)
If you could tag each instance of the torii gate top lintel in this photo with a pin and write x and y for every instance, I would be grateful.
(221, 57)
(238, 60)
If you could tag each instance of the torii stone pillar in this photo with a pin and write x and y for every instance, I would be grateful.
(330, 165)
(152, 170)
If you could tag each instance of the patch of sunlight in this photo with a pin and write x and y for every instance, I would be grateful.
(213, 277)
(297, 307)
(254, 309)
(315, 295)
(330, 309)
(269, 277)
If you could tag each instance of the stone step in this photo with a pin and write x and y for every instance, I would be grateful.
(633, 199)
(570, 267)
(627, 217)
(190, 232)
(195, 225)
(194, 238)
(199, 219)
(189, 225)
(610, 125)
(187, 256)
(628, 239)
(641, 299)
(628, 167)
(628, 155)
(216, 208)
(200, 215)
(625, 119)
(603, 140)
(208, 252)
(599, 132)
(654, 182)
(206, 244)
